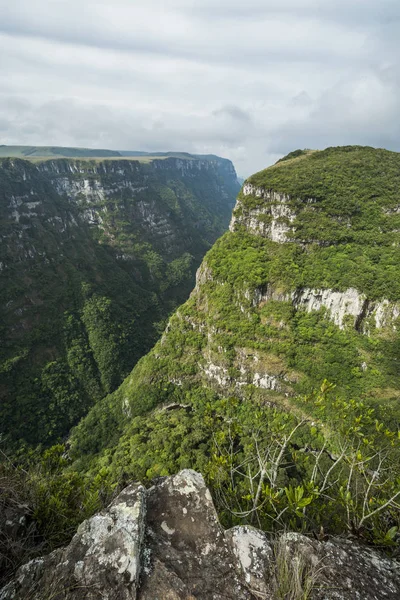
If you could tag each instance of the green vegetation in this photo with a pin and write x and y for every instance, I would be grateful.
(342, 179)
(292, 419)
(32, 152)
(267, 467)
(82, 302)
(43, 153)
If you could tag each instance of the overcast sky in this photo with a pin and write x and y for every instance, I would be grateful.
(246, 79)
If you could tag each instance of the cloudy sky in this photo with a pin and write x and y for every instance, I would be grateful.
(246, 79)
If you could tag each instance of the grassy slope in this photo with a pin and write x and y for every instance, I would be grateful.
(42, 153)
(30, 152)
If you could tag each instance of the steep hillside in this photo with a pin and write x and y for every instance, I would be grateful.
(94, 256)
(300, 296)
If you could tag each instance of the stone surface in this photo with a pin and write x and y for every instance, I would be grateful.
(166, 543)
(189, 553)
(273, 220)
(345, 570)
(347, 308)
(102, 560)
(254, 554)
(339, 305)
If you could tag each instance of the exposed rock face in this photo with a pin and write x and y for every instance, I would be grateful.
(221, 375)
(273, 220)
(351, 303)
(338, 304)
(166, 544)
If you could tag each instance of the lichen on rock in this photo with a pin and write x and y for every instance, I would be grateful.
(167, 543)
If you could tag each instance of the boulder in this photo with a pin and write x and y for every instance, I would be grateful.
(296, 567)
(166, 543)
(189, 555)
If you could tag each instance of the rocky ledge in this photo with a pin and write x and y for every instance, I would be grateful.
(166, 543)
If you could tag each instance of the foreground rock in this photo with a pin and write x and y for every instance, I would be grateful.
(166, 544)
(102, 560)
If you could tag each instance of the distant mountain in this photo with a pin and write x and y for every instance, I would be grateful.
(47, 152)
(30, 152)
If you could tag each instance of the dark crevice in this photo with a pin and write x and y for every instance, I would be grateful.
(362, 315)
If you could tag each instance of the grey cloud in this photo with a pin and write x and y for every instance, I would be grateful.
(360, 110)
(355, 11)
(250, 82)
(234, 112)
(86, 23)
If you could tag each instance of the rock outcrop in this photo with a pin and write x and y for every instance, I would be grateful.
(348, 307)
(166, 543)
(272, 220)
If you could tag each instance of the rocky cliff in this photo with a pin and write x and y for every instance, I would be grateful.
(167, 543)
(94, 254)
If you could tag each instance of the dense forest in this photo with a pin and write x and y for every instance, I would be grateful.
(95, 255)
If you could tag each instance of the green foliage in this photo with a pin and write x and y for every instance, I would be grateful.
(81, 304)
(179, 269)
(265, 466)
(294, 154)
(54, 500)
(105, 338)
(344, 180)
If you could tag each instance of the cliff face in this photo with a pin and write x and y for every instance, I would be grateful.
(166, 542)
(342, 240)
(94, 253)
(283, 218)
